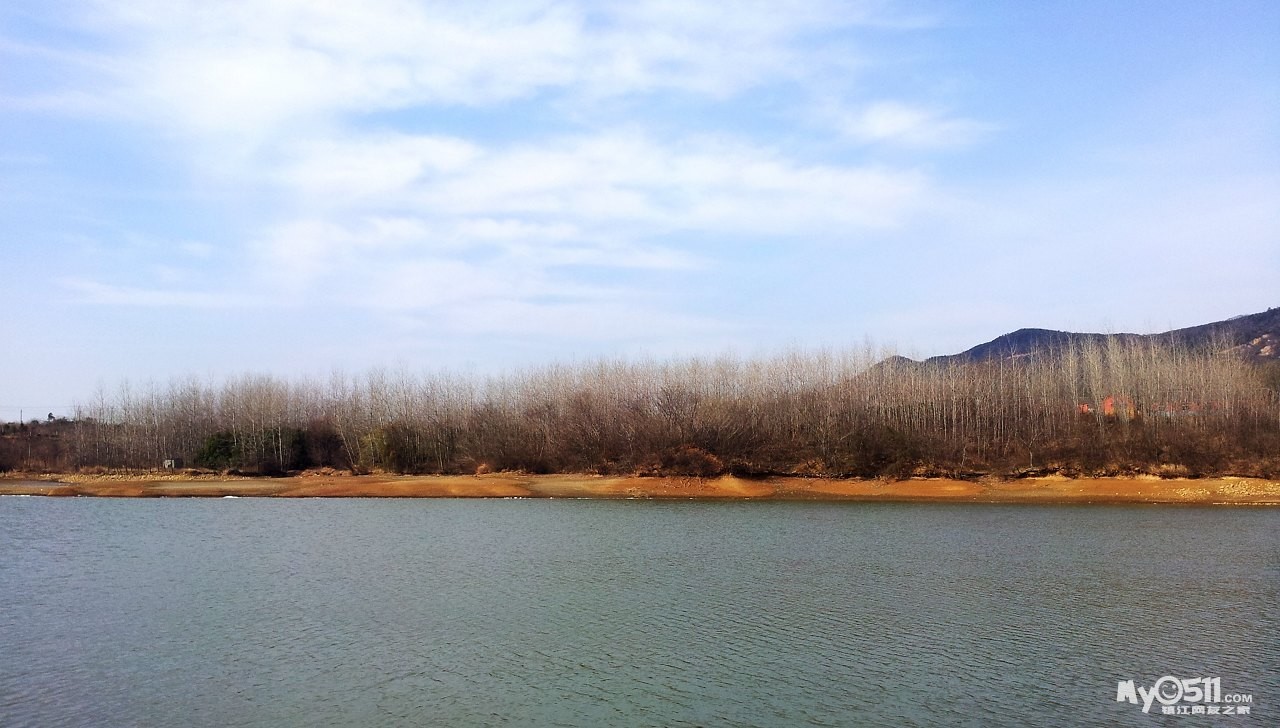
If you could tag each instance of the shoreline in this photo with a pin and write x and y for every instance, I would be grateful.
(1055, 489)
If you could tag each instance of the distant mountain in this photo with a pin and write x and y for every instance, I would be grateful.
(1256, 336)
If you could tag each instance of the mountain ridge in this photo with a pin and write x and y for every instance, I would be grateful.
(1254, 336)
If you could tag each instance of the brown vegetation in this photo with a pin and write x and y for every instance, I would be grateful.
(1181, 413)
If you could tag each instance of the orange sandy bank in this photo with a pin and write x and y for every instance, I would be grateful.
(1228, 491)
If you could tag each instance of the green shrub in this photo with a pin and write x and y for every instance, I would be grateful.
(218, 452)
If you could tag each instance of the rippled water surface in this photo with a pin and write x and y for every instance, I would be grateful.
(268, 612)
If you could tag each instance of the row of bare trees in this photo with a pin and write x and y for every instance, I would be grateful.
(1092, 408)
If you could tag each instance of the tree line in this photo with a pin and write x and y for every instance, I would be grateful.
(1096, 408)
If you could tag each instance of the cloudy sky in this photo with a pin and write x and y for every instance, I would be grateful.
(297, 186)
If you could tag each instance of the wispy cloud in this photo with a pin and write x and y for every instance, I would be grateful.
(907, 125)
(284, 97)
(95, 292)
(611, 177)
(245, 67)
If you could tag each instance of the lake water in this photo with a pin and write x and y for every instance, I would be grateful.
(262, 612)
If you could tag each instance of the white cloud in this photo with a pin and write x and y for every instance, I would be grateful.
(250, 68)
(281, 97)
(580, 185)
(404, 263)
(291, 78)
(536, 323)
(409, 222)
(908, 125)
(489, 229)
(605, 255)
(88, 291)
(300, 252)
(376, 168)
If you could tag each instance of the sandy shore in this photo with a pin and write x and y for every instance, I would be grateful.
(1225, 491)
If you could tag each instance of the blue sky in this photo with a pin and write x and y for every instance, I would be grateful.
(297, 186)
